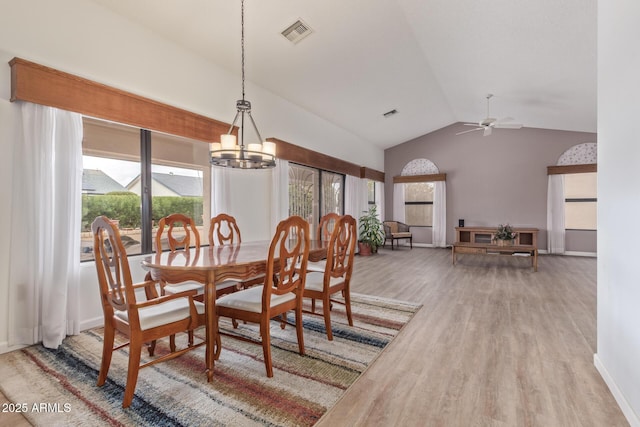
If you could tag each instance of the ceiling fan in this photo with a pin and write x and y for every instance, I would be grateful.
(489, 123)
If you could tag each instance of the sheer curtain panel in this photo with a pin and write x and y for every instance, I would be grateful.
(555, 214)
(398, 203)
(355, 196)
(380, 199)
(279, 193)
(220, 190)
(45, 227)
(439, 229)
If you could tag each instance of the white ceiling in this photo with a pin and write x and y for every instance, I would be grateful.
(432, 60)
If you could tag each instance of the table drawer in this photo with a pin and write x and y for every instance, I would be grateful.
(468, 250)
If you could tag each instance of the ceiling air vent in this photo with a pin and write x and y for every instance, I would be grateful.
(390, 113)
(297, 31)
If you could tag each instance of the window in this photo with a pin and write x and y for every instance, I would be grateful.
(371, 192)
(314, 192)
(418, 203)
(113, 179)
(580, 192)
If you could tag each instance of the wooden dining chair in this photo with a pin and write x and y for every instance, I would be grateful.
(281, 292)
(141, 321)
(336, 276)
(325, 227)
(224, 230)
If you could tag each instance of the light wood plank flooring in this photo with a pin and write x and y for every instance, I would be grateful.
(494, 344)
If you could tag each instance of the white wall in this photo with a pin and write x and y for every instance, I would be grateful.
(618, 353)
(84, 39)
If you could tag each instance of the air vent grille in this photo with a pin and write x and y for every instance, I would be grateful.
(297, 31)
(390, 113)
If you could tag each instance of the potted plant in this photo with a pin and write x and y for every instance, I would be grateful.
(371, 234)
(504, 235)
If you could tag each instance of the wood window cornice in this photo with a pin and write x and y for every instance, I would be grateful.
(42, 85)
(399, 179)
(561, 170)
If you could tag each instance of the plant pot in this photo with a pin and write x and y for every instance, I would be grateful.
(504, 242)
(364, 249)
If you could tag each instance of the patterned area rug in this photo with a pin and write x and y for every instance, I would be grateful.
(57, 387)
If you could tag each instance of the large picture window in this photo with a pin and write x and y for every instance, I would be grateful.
(114, 178)
(580, 192)
(314, 192)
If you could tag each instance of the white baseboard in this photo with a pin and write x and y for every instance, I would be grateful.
(627, 411)
(91, 323)
(587, 254)
(6, 348)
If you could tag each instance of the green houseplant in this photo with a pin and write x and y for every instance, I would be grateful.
(371, 232)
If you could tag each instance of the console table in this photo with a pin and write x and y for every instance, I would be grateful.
(479, 240)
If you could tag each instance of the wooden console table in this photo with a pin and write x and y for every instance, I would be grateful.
(479, 240)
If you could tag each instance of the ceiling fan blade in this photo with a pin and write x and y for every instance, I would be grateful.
(471, 124)
(467, 131)
(508, 125)
(487, 131)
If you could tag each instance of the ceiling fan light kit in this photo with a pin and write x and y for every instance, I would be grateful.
(489, 123)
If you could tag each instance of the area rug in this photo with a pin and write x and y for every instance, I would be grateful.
(57, 387)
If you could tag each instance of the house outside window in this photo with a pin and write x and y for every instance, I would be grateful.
(113, 181)
(314, 192)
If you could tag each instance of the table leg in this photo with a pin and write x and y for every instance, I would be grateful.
(211, 324)
(535, 260)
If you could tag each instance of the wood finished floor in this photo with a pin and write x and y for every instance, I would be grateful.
(494, 344)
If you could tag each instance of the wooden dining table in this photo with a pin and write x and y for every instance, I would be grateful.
(210, 265)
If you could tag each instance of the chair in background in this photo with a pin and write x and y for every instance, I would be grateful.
(337, 274)
(326, 226)
(281, 292)
(224, 230)
(141, 321)
(178, 231)
(396, 230)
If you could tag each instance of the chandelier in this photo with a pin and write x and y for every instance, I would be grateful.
(227, 152)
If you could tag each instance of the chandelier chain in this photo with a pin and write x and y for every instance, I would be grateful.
(242, 42)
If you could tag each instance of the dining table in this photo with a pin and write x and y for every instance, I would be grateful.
(213, 264)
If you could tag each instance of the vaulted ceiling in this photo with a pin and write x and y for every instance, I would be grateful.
(434, 61)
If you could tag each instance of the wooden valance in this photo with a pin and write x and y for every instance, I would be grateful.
(371, 174)
(42, 85)
(561, 170)
(399, 179)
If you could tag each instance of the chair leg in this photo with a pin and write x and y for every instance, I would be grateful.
(347, 304)
(107, 351)
(313, 305)
(411, 241)
(172, 342)
(326, 308)
(266, 346)
(300, 329)
(135, 348)
(190, 333)
(151, 347)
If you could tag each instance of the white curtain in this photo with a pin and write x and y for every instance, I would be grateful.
(220, 190)
(398, 203)
(555, 214)
(355, 196)
(279, 193)
(45, 227)
(439, 228)
(380, 199)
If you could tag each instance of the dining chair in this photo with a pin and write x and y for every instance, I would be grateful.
(325, 227)
(336, 276)
(224, 230)
(143, 322)
(281, 292)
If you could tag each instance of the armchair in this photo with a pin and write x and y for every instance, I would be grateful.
(396, 230)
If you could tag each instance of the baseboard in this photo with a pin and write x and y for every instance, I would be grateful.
(91, 323)
(627, 411)
(586, 254)
(6, 348)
